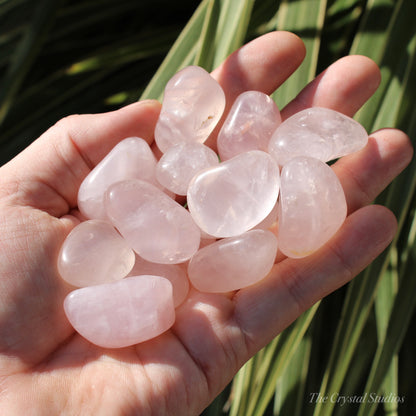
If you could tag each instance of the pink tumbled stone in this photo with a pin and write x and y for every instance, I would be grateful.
(123, 313)
(173, 272)
(132, 158)
(233, 263)
(234, 196)
(193, 104)
(154, 225)
(181, 162)
(250, 123)
(312, 206)
(317, 132)
(93, 253)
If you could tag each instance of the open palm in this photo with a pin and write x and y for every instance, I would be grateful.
(47, 368)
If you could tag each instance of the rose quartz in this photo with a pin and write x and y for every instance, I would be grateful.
(192, 106)
(233, 197)
(132, 158)
(312, 206)
(155, 226)
(173, 272)
(250, 123)
(181, 163)
(94, 253)
(233, 263)
(123, 313)
(317, 132)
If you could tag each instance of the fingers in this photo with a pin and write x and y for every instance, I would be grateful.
(262, 65)
(294, 285)
(265, 309)
(344, 86)
(265, 63)
(365, 174)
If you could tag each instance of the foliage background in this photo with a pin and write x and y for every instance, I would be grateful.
(62, 57)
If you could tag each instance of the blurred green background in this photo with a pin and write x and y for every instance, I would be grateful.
(62, 57)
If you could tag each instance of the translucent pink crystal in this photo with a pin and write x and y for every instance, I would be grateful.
(94, 253)
(173, 272)
(132, 158)
(155, 226)
(312, 206)
(192, 106)
(250, 123)
(233, 197)
(181, 162)
(123, 313)
(317, 132)
(233, 263)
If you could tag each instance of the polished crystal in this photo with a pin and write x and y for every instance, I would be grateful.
(93, 253)
(192, 105)
(235, 196)
(312, 206)
(154, 225)
(123, 313)
(132, 158)
(317, 132)
(249, 125)
(233, 263)
(181, 162)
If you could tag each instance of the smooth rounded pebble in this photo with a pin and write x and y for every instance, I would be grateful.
(317, 132)
(132, 158)
(123, 313)
(233, 263)
(93, 253)
(234, 196)
(312, 206)
(192, 105)
(154, 225)
(181, 162)
(252, 120)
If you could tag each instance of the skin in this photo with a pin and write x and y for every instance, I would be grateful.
(46, 368)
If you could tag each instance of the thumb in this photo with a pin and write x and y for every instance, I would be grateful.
(53, 166)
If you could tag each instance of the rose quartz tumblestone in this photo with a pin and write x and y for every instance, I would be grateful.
(93, 253)
(317, 132)
(193, 104)
(123, 313)
(233, 263)
(132, 158)
(312, 206)
(181, 162)
(173, 272)
(154, 225)
(233, 197)
(250, 123)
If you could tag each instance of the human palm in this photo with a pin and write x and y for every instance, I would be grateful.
(56, 371)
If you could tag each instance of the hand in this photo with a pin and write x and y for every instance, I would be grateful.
(178, 373)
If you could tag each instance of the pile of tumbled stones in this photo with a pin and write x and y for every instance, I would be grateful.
(139, 251)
